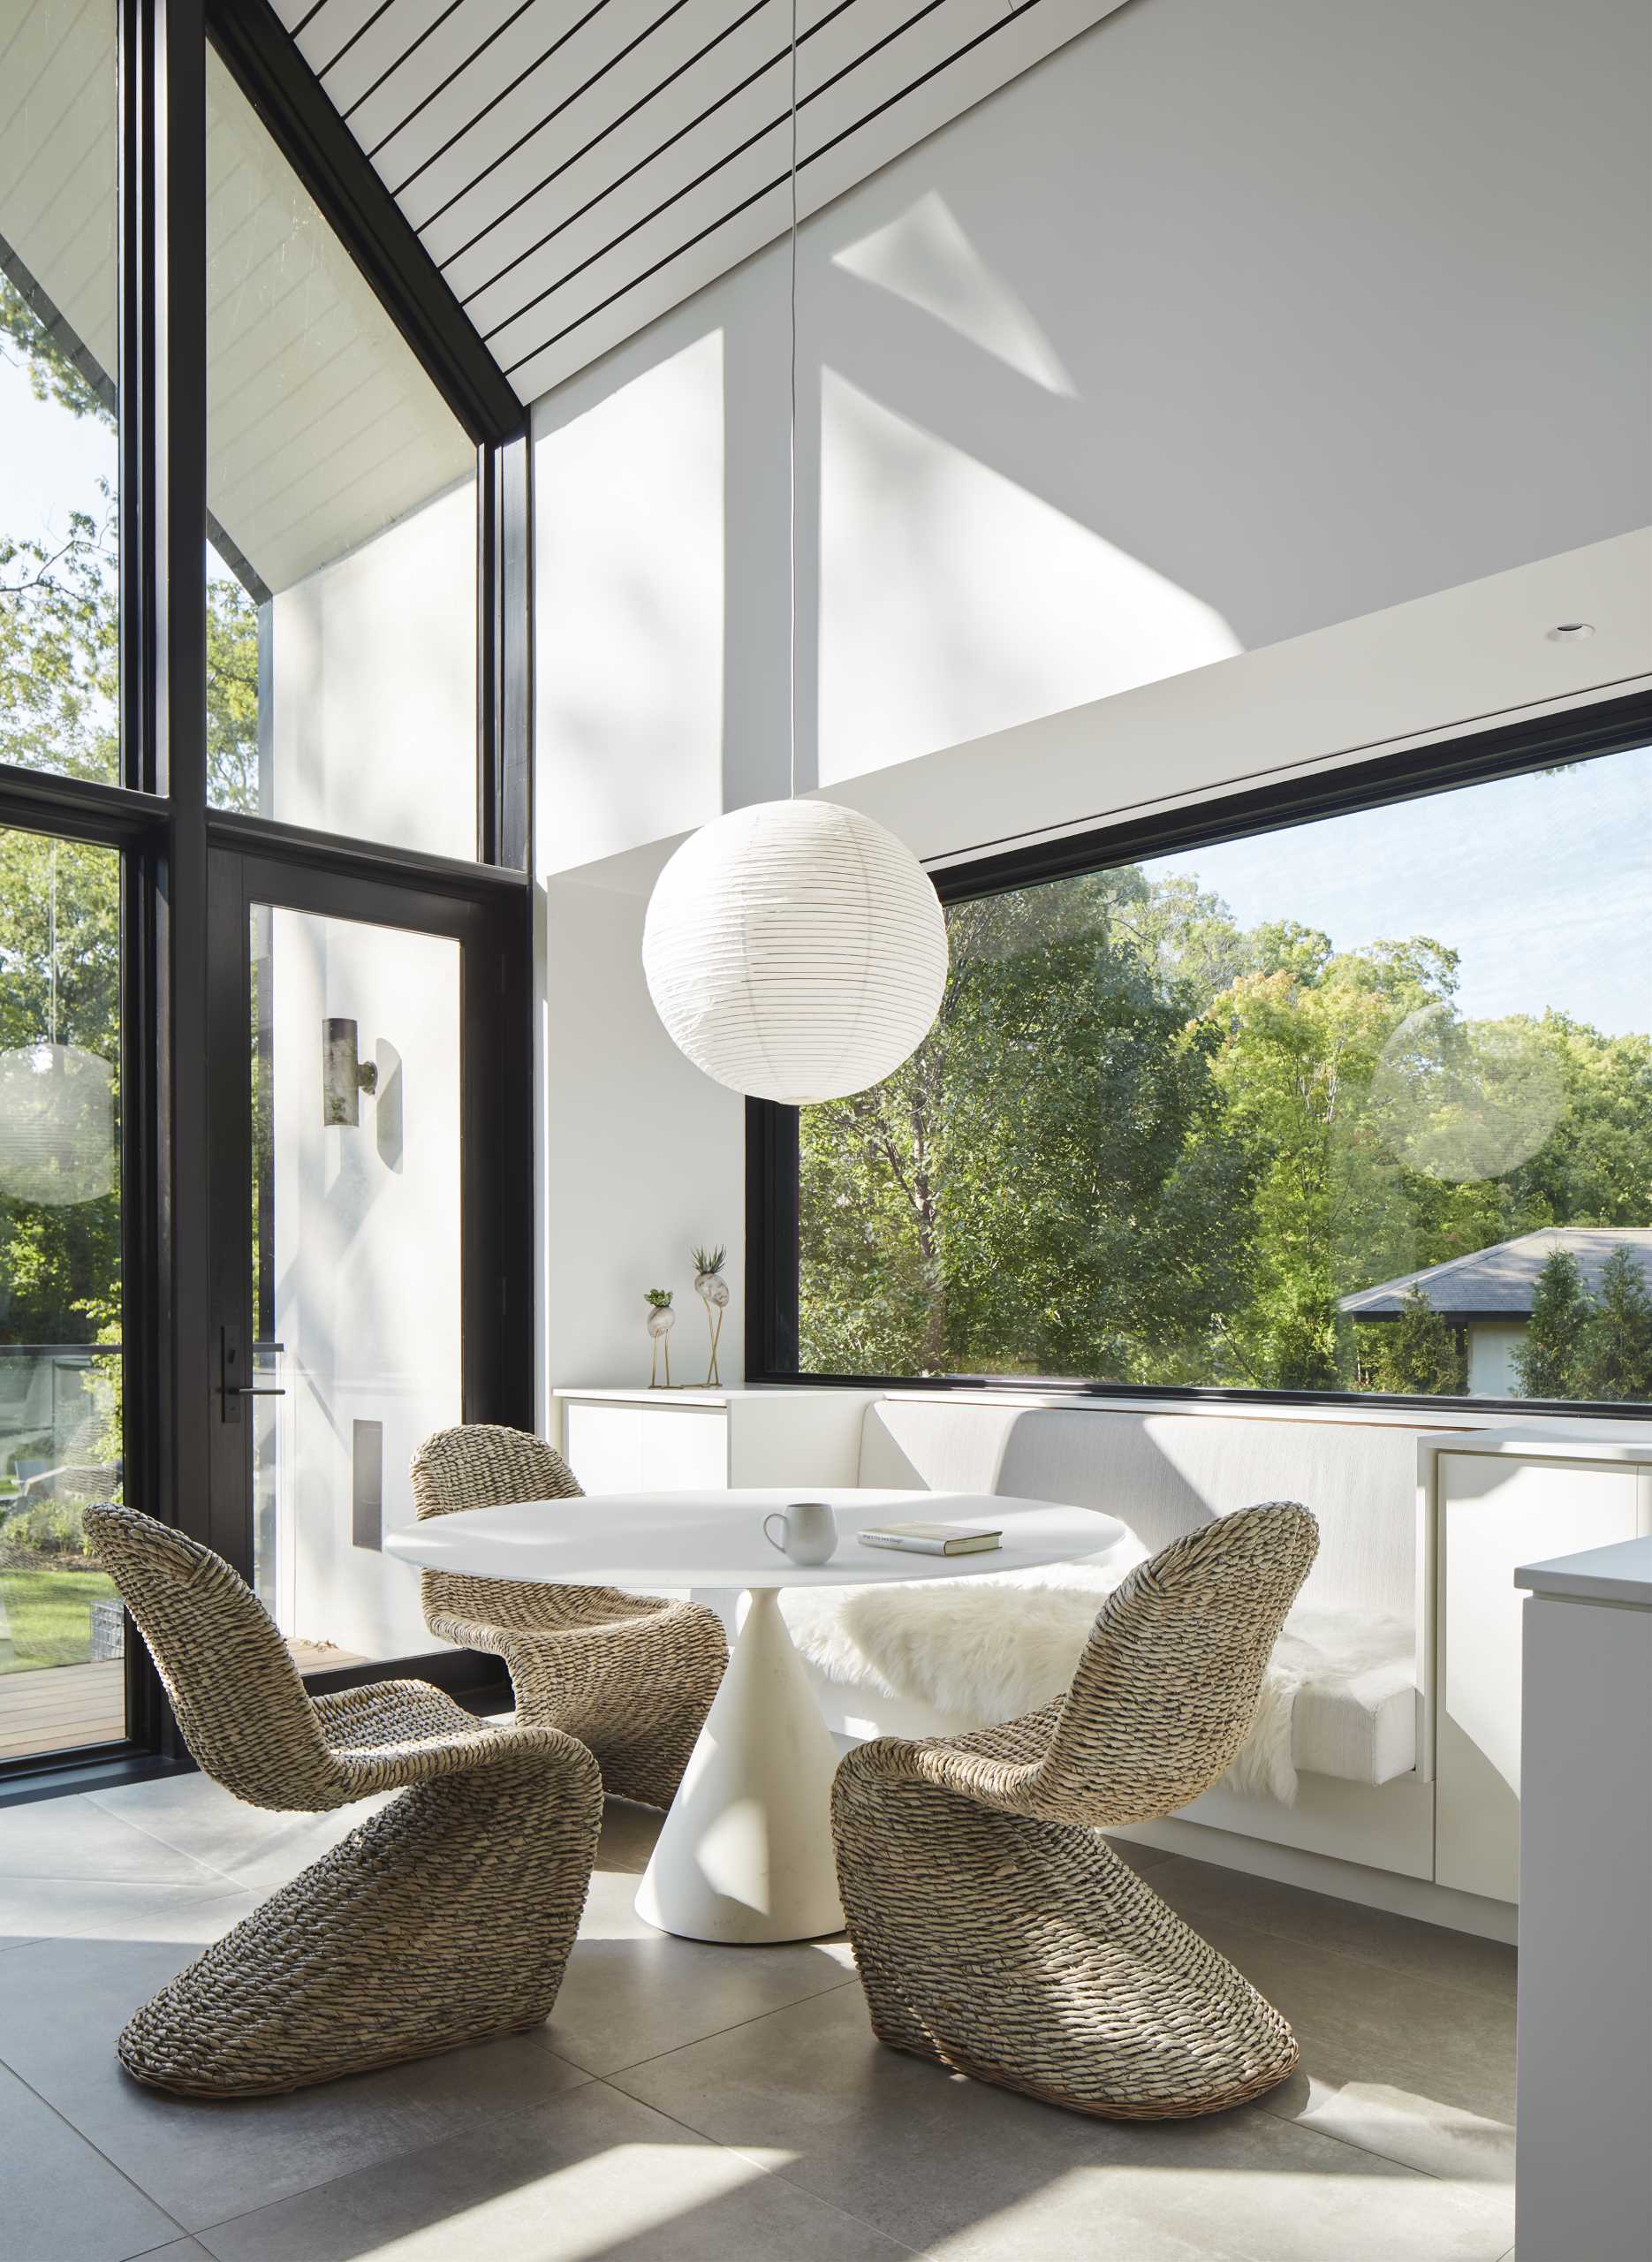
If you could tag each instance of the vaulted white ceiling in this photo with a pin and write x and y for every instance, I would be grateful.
(575, 167)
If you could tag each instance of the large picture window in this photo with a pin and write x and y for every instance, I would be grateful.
(1362, 1103)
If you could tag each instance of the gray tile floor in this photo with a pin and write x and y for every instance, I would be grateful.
(688, 2102)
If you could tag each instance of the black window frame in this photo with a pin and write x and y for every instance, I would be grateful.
(1613, 725)
(159, 816)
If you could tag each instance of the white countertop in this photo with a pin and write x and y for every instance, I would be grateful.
(1619, 1574)
(1620, 1441)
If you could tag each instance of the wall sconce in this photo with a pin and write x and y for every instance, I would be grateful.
(344, 1077)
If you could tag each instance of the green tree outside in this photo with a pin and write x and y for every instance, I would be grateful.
(1614, 1351)
(1545, 1364)
(1418, 1354)
(59, 710)
(977, 1212)
(1146, 1144)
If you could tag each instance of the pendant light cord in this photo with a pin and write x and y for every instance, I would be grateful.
(792, 448)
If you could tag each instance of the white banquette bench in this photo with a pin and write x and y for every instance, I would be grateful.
(1399, 1671)
(1353, 1724)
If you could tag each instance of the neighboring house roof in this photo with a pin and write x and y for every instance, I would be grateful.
(1497, 1283)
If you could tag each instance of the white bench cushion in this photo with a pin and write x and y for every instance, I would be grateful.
(1340, 1698)
(1360, 1723)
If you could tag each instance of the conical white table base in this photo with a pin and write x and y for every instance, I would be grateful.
(746, 1855)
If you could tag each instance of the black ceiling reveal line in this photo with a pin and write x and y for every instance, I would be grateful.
(440, 88)
(306, 19)
(613, 126)
(825, 86)
(602, 250)
(390, 69)
(643, 163)
(568, 100)
(505, 92)
(498, 32)
(745, 203)
(360, 32)
(591, 313)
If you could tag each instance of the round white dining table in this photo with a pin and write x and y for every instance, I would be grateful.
(745, 1852)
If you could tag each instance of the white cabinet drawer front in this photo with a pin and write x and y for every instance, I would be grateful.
(602, 1445)
(661, 1448)
(685, 1449)
(1496, 1514)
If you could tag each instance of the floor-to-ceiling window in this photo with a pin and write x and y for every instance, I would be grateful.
(61, 1679)
(261, 777)
(60, 1675)
(59, 416)
(341, 573)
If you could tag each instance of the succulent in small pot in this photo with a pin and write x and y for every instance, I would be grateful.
(662, 1319)
(712, 1291)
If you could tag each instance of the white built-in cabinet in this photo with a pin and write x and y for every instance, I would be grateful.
(1491, 1502)
(701, 1440)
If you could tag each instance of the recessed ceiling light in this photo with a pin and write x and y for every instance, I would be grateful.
(1571, 632)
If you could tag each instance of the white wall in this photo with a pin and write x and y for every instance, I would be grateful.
(641, 1158)
(1240, 389)
(367, 1260)
(373, 680)
(1219, 326)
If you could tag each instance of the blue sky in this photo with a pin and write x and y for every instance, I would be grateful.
(1542, 884)
(50, 461)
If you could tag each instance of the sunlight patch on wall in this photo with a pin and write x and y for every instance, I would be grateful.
(953, 603)
(925, 257)
(630, 595)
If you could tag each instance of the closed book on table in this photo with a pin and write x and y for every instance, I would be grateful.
(932, 1538)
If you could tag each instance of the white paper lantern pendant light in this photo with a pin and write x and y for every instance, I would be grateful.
(795, 951)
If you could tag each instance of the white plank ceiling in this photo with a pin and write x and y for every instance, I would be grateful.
(576, 167)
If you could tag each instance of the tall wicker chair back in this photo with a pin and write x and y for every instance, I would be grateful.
(632, 1675)
(237, 1693)
(446, 1917)
(483, 1465)
(1168, 1683)
(997, 1931)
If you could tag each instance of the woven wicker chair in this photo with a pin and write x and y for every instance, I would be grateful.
(997, 1931)
(446, 1918)
(631, 1676)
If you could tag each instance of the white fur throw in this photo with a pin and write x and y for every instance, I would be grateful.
(985, 1650)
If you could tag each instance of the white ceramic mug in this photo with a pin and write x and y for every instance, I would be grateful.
(810, 1531)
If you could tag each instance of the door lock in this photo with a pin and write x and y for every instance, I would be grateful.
(232, 1389)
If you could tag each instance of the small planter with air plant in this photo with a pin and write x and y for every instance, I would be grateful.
(662, 1319)
(712, 1291)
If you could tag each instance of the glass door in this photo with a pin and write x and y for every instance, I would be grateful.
(357, 1191)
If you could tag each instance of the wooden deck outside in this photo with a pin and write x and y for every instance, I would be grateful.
(64, 1705)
